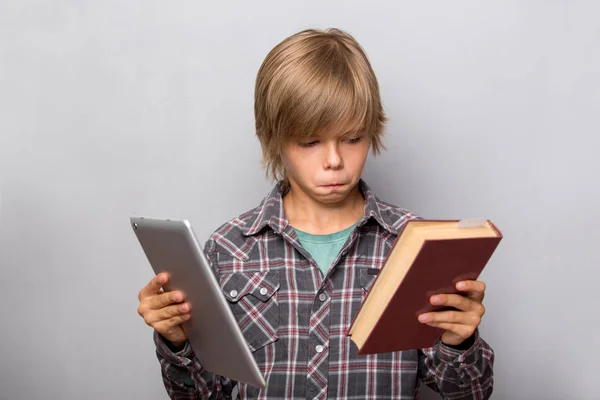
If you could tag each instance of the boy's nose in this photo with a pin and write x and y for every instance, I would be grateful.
(333, 159)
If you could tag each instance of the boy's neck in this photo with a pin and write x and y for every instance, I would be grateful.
(311, 216)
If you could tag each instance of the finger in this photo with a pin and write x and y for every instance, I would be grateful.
(457, 301)
(166, 325)
(473, 289)
(175, 310)
(165, 299)
(167, 313)
(453, 317)
(153, 286)
(463, 331)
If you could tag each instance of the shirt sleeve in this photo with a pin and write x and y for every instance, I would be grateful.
(182, 373)
(184, 377)
(459, 374)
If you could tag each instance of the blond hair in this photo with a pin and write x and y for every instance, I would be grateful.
(311, 81)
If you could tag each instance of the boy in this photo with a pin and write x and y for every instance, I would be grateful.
(296, 268)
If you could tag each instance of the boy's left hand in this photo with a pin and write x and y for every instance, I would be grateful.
(459, 325)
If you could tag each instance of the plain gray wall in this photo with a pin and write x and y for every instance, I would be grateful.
(117, 108)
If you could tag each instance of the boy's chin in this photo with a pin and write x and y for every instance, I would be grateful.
(331, 198)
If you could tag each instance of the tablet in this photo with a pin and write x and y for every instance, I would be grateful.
(212, 331)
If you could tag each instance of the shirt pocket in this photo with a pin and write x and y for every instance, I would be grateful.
(252, 297)
(367, 278)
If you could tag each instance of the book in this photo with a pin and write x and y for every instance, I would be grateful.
(428, 257)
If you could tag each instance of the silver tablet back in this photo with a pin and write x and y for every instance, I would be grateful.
(171, 246)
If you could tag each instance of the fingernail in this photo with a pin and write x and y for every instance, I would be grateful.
(176, 297)
(183, 307)
(435, 299)
(423, 318)
(461, 285)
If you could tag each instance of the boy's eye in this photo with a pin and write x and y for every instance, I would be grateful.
(354, 139)
(309, 144)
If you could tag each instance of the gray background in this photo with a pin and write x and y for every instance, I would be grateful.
(115, 108)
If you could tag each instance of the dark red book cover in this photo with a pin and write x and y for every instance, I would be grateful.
(438, 266)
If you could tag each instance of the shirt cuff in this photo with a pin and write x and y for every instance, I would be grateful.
(181, 358)
(461, 358)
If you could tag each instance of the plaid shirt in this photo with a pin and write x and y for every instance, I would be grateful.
(297, 331)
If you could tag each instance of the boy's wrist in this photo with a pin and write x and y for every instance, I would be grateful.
(465, 345)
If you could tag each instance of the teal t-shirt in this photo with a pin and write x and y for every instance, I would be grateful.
(324, 248)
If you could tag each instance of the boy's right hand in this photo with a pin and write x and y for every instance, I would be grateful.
(164, 311)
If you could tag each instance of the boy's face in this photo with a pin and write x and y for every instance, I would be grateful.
(327, 168)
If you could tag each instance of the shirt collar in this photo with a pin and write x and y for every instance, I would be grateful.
(270, 212)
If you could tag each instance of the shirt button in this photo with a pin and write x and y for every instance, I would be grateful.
(263, 291)
(322, 297)
(319, 348)
(233, 293)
